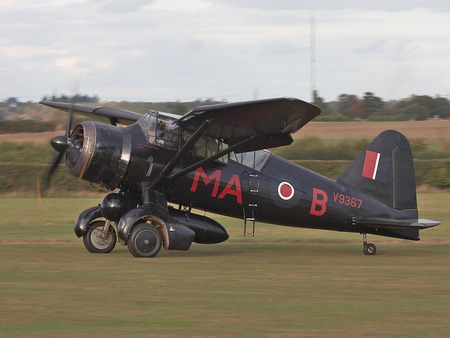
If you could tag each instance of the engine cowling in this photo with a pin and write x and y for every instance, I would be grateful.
(99, 153)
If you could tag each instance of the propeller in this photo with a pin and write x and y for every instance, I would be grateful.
(61, 144)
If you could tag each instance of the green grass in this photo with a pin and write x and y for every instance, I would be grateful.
(284, 282)
(25, 153)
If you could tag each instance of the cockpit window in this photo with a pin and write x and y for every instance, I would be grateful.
(207, 146)
(163, 131)
(160, 130)
(148, 125)
(253, 159)
(168, 134)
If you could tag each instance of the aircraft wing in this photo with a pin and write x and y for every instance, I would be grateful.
(396, 224)
(99, 113)
(271, 121)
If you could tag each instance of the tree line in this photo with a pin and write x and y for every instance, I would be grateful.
(78, 98)
(349, 107)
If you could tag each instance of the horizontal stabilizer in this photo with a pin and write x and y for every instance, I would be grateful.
(396, 224)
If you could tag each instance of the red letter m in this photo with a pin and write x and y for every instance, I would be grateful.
(200, 173)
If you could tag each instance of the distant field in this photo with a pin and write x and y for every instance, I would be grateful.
(433, 130)
(36, 138)
(285, 282)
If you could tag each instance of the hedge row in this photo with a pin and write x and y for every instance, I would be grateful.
(27, 126)
(435, 172)
(314, 148)
(20, 179)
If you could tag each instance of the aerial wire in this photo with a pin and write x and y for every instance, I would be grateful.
(312, 45)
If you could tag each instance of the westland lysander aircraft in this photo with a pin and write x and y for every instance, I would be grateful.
(213, 158)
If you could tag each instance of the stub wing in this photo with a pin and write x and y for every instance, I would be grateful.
(396, 224)
(271, 121)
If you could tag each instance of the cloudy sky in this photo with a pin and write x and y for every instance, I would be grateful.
(232, 50)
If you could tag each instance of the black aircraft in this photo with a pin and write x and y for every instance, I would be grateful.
(213, 158)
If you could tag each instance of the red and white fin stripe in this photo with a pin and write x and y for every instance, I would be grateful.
(371, 164)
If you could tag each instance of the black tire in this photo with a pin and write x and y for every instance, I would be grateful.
(95, 241)
(370, 249)
(145, 240)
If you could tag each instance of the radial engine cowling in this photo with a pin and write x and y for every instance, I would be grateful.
(99, 153)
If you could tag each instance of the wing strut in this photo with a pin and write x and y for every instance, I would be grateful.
(211, 158)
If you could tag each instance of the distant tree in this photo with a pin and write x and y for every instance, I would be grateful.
(416, 107)
(390, 113)
(345, 101)
(440, 106)
(320, 102)
(12, 100)
(357, 109)
(371, 104)
(79, 98)
(415, 111)
(345, 104)
(437, 106)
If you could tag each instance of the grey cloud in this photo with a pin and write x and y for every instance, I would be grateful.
(124, 6)
(377, 46)
(193, 46)
(276, 48)
(384, 5)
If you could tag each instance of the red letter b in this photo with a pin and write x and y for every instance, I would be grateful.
(316, 202)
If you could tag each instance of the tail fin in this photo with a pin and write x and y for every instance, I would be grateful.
(385, 171)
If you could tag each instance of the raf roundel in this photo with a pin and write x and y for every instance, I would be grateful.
(285, 190)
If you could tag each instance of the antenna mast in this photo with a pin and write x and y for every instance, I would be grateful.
(312, 27)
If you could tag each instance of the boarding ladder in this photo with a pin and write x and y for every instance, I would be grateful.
(251, 205)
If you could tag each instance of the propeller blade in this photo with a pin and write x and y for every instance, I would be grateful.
(48, 175)
(55, 164)
(61, 144)
(70, 117)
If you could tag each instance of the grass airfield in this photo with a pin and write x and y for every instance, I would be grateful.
(283, 282)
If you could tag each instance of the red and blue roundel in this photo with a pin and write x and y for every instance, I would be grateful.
(285, 191)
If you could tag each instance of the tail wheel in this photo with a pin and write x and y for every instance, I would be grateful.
(370, 249)
(145, 240)
(96, 240)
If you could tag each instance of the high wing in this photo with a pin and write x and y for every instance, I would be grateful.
(263, 123)
(270, 122)
(100, 113)
(105, 114)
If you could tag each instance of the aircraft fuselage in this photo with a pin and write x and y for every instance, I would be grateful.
(282, 193)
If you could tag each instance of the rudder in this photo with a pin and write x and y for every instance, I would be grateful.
(385, 171)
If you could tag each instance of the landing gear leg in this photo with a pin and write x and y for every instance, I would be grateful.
(368, 248)
(100, 238)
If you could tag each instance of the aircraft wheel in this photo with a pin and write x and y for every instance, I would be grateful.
(96, 241)
(370, 249)
(145, 240)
